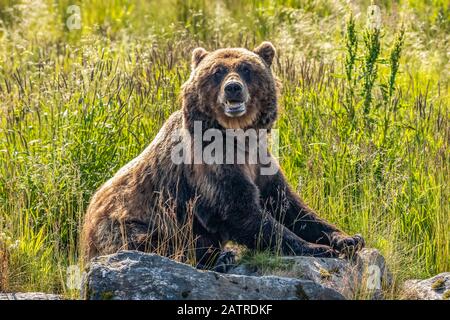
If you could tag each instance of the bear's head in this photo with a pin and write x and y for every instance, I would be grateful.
(232, 88)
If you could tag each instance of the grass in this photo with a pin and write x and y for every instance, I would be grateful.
(364, 125)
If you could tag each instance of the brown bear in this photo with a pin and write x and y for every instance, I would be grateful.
(147, 203)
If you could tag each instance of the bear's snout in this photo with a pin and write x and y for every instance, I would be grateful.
(234, 97)
(233, 91)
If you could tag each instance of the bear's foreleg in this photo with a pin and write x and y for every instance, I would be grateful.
(234, 202)
(287, 208)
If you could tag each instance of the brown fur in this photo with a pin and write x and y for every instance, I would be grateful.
(150, 198)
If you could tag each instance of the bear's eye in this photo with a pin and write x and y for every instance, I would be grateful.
(219, 73)
(246, 72)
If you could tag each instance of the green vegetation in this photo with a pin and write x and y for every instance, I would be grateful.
(264, 262)
(438, 284)
(364, 125)
(446, 295)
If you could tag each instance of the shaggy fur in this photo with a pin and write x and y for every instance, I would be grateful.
(227, 202)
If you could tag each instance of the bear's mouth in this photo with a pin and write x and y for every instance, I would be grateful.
(234, 108)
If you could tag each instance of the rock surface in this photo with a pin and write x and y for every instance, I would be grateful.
(29, 296)
(135, 275)
(435, 288)
(361, 278)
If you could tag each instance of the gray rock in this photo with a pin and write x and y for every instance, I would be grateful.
(138, 276)
(363, 277)
(29, 296)
(435, 288)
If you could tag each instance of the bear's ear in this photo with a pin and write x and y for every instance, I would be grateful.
(197, 56)
(266, 51)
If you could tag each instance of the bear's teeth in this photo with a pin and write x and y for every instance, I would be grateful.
(235, 105)
(235, 109)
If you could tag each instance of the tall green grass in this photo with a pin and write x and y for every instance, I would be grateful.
(364, 125)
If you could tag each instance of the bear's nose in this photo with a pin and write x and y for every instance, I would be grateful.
(233, 89)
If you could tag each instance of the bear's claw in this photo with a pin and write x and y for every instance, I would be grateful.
(225, 262)
(348, 246)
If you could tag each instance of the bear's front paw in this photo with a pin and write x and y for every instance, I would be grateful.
(225, 261)
(346, 245)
